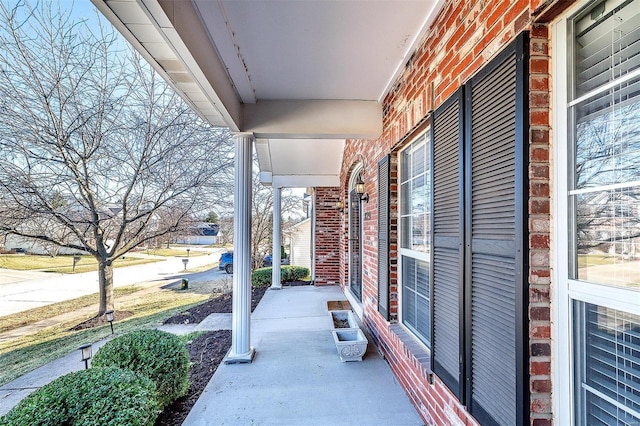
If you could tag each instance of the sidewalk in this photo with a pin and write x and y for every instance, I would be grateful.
(15, 391)
(296, 377)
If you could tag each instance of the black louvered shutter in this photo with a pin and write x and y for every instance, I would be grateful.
(448, 238)
(383, 237)
(496, 111)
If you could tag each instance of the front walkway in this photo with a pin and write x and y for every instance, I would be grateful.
(297, 378)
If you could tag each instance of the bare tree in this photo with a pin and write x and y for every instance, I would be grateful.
(83, 121)
(262, 218)
(607, 221)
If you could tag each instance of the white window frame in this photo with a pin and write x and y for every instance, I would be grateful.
(355, 303)
(418, 255)
(565, 290)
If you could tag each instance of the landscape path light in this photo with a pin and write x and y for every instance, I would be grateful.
(109, 317)
(86, 353)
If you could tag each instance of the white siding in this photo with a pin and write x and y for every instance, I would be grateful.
(301, 244)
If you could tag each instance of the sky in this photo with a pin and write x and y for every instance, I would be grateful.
(85, 10)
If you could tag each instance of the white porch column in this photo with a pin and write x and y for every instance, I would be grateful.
(275, 258)
(241, 351)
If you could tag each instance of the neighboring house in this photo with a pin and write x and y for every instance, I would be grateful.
(30, 245)
(202, 234)
(450, 144)
(301, 249)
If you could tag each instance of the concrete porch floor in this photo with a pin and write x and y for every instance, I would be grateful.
(296, 377)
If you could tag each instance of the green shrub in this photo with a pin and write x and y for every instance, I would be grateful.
(262, 277)
(98, 396)
(158, 355)
(295, 273)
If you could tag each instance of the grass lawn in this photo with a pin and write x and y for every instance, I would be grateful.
(597, 259)
(20, 319)
(21, 355)
(63, 264)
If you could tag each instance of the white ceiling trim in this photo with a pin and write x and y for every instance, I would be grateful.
(191, 43)
(264, 156)
(306, 181)
(314, 119)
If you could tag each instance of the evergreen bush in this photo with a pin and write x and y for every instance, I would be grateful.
(158, 355)
(262, 277)
(95, 397)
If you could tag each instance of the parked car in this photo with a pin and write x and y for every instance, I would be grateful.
(226, 261)
(268, 261)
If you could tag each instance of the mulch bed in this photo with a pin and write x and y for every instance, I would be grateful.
(220, 304)
(295, 283)
(206, 353)
(101, 320)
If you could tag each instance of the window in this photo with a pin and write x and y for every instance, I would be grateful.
(355, 236)
(607, 357)
(598, 270)
(415, 236)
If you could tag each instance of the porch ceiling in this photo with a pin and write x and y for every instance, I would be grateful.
(280, 69)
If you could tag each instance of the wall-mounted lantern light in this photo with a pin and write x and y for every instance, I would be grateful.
(360, 189)
(339, 206)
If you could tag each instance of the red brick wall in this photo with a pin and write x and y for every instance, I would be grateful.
(327, 237)
(539, 228)
(466, 35)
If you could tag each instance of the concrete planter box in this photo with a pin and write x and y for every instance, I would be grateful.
(350, 343)
(343, 319)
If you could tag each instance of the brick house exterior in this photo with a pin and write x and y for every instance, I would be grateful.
(326, 237)
(465, 36)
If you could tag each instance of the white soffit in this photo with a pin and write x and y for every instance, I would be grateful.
(315, 49)
(151, 33)
(226, 53)
(300, 162)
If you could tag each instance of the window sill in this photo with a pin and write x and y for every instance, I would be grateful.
(420, 355)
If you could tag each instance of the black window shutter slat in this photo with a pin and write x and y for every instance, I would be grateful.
(448, 237)
(494, 285)
(383, 236)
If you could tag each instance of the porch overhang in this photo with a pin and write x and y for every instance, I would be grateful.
(300, 163)
(281, 70)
